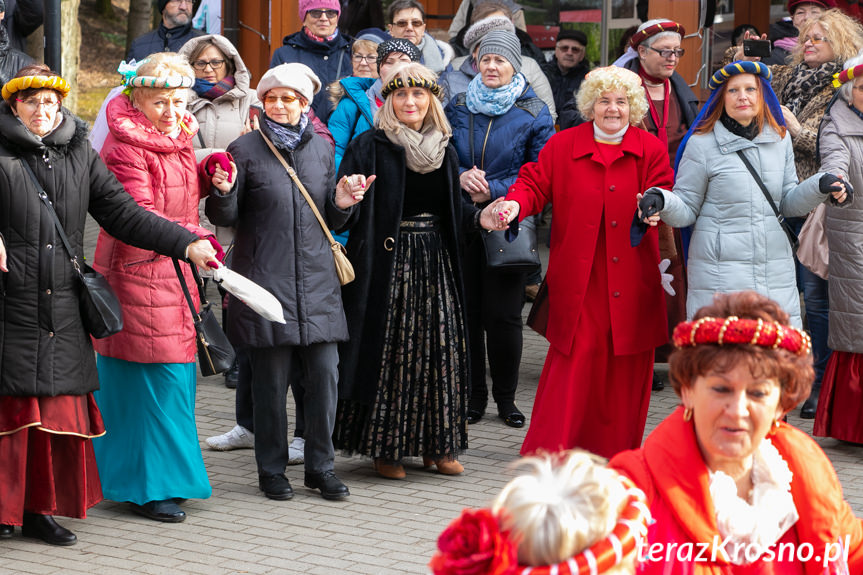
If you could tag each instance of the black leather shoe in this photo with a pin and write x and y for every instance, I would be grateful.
(166, 511)
(658, 384)
(276, 486)
(474, 415)
(6, 531)
(512, 416)
(330, 485)
(232, 376)
(810, 406)
(45, 528)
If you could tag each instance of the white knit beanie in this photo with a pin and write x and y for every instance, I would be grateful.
(298, 77)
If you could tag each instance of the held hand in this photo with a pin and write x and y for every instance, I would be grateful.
(840, 192)
(3, 267)
(352, 189)
(648, 209)
(200, 252)
(492, 218)
(738, 53)
(473, 182)
(222, 180)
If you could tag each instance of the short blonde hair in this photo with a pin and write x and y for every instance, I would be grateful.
(844, 34)
(366, 45)
(162, 65)
(612, 79)
(386, 119)
(562, 506)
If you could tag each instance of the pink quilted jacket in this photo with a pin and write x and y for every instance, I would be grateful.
(161, 174)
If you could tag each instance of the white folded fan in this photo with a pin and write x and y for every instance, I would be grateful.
(257, 298)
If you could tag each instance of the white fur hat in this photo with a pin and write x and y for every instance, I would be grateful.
(297, 77)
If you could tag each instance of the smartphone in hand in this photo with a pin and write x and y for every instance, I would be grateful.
(756, 48)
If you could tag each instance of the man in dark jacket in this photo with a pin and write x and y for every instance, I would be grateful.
(174, 31)
(568, 67)
(23, 17)
(11, 60)
(320, 46)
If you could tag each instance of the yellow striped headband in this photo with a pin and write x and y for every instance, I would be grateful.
(846, 75)
(399, 82)
(739, 67)
(26, 82)
(167, 82)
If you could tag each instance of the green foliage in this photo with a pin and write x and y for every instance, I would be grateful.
(116, 38)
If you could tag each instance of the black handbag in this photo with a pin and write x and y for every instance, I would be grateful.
(517, 256)
(215, 353)
(101, 312)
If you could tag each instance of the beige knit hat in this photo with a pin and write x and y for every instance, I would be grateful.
(298, 77)
(482, 27)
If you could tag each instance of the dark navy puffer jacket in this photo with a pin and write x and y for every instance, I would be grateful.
(330, 60)
(501, 144)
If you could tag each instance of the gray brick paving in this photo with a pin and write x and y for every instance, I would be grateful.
(385, 527)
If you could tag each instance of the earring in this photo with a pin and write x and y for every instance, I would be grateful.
(687, 414)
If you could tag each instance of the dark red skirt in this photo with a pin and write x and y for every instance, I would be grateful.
(47, 464)
(838, 412)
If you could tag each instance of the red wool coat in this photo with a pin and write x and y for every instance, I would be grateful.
(572, 174)
(160, 173)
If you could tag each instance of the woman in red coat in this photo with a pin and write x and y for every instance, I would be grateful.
(151, 455)
(607, 310)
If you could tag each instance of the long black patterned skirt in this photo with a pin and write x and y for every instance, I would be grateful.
(419, 407)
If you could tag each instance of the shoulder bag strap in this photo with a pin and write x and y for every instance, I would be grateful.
(60, 231)
(300, 185)
(186, 288)
(792, 237)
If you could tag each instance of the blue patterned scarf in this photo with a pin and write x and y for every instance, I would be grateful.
(287, 135)
(212, 90)
(481, 99)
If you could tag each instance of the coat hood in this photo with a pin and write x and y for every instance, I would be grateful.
(129, 125)
(353, 87)
(242, 76)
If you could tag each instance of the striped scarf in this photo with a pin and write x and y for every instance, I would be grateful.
(211, 91)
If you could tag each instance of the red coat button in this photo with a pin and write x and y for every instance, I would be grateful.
(616, 294)
(614, 260)
(614, 223)
(611, 188)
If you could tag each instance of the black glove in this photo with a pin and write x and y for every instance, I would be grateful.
(651, 203)
(826, 185)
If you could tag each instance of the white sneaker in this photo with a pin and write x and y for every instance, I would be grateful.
(237, 438)
(296, 451)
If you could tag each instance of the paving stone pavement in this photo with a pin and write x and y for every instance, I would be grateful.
(384, 527)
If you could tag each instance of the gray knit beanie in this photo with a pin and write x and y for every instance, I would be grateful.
(504, 44)
(482, 27)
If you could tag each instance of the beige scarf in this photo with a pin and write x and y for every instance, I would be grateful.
(424, 149)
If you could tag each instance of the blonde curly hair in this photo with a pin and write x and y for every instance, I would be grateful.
(562, 506)
(843, 33)
(612, 79)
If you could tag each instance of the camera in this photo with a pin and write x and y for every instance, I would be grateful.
(754, 47)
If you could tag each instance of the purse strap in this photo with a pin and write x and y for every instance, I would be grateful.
(60, 231)
(302, 188)
(792, 237)
(201, 294)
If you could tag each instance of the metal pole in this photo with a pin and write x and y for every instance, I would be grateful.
(230, 21)
(603, 33)
(53, 47)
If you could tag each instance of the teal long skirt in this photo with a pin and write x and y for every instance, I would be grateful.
(151, 450)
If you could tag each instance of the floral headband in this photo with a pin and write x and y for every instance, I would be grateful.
(739, 67)
(475, 543)
(130, 73)
(655, 29)
(733, 330)
(846, 75)
(399, 82)
(25, 82)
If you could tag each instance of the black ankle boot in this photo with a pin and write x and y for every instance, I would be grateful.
(45, 528)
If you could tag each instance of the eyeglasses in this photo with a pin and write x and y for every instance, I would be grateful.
(575, 49)
(34, 103)
(285, 100)
(214, 64)
(362, 58)
(413, 23)
(677, 52)
(318, 13)
(815, 39)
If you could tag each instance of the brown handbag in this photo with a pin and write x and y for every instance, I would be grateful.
(344, 269)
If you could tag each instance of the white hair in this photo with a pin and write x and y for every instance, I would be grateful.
(846, 88)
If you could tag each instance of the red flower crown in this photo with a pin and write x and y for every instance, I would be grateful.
(475, 544)
(733, 330)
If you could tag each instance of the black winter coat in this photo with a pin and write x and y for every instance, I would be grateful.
(372, 221)
(44, 350)
(10, 60)
(161, 40)
(279, 243)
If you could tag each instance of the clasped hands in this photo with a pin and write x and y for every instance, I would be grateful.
(474, 183)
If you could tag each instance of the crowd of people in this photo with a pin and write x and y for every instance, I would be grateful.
(673, 240)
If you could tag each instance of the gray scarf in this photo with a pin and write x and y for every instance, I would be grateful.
(424, 150)
(431, 54)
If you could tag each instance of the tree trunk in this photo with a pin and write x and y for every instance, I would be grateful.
(70, 34)
(140, 17)
(104, 9)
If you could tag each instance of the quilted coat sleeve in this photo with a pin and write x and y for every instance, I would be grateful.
(130, 167)
(835, 154)
(533, 187)
(684, 204)
(798, 199)
(541, 129)
(341, 124)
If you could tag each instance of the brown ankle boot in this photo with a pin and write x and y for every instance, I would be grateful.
(389, 469)
(445, 465)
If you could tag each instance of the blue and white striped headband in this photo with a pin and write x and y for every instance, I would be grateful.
(739, 67)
